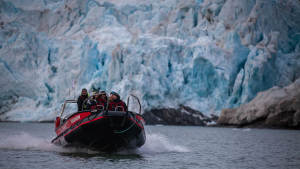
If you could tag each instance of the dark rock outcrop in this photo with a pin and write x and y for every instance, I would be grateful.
(183, 115)
(274, 108)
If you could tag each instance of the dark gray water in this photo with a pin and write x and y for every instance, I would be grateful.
(27, 145)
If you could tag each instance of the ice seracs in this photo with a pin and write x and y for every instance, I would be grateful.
(205, 54)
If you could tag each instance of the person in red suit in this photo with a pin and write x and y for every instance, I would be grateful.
(115, 103)
(102, 100)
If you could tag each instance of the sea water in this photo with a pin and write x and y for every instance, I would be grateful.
(28, 145)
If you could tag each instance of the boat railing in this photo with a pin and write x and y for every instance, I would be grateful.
(100, 107)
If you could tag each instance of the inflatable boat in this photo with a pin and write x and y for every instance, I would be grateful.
(100, 129)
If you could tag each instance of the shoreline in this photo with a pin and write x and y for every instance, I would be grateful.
(209, 126)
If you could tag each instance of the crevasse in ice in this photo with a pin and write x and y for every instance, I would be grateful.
(207, 54)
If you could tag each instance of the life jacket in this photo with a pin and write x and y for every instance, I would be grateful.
(117, 105)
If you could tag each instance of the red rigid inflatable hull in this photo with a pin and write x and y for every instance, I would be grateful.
(104, 131)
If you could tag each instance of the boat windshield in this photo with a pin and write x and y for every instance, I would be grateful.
(133, 104)
(69, 109)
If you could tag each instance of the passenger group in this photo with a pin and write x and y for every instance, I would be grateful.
(100, 101)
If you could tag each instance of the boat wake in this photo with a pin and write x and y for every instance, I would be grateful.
(155, 143)
(26, 141)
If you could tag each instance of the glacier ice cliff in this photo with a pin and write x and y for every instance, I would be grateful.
(205, 54)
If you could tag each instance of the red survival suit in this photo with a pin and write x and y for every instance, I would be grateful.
(117, 105)
(101, 103)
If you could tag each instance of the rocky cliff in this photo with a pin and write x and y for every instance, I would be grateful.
(183, 115)
(274, 108)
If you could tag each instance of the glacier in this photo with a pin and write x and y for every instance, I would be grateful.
(205, 54)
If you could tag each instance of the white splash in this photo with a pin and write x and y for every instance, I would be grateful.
(238, 129)
(26, 141)
(158, 143)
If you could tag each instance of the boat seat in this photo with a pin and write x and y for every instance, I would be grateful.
(115, 113)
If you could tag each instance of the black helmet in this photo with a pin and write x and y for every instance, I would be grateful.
(115, 93)
(102, 92)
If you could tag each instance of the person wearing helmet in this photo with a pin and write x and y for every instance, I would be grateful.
(83, 96)
(102, 100)
(115, 103)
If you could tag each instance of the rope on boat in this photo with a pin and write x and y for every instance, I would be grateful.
(123, 131)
